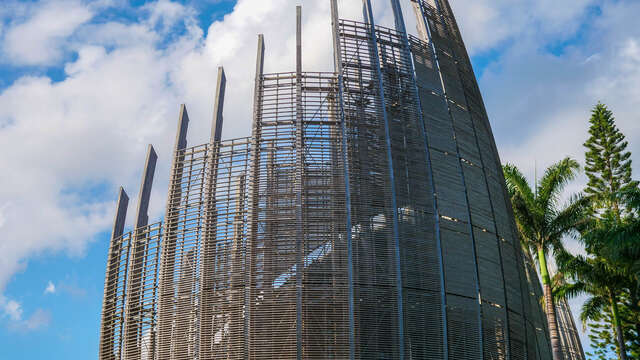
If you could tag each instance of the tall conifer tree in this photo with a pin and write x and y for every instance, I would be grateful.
(608, 163)
(608, 167)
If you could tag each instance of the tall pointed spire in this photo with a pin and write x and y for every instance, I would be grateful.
(218, 105)
(142, 216)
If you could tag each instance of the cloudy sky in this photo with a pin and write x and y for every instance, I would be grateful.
(86, 85)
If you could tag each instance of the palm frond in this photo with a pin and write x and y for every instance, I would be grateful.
(573, 216)
(517, 183)
(592, 309)
(554, 180)
(569, 291)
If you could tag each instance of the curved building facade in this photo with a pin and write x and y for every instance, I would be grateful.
(366, 217)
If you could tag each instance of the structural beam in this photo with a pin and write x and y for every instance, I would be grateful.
(134, 294)
(166, 285)
(400, 27)
(424, 24)
(218, 105)
(299, 182)
(337, 64)
(368, 12)
(121, 214)
(107, 331)
(209, 242)
(183, 125)
(142, 216)
(254, 189)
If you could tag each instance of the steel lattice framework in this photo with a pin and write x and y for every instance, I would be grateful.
(366, 217)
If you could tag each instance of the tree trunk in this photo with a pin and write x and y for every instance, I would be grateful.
(635, 307)
(550, 309)
(622, 348)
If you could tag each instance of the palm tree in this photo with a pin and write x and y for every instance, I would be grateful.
(542, 223)
(604, 284)
(613, 274)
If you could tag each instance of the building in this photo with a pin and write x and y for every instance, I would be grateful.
(366, 217)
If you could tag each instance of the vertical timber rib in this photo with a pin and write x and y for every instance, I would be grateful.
(207, 345)
(166, 297)
(254, 190)
(400, 27)
(337, 63)
(142, 213)
(425, 25)
(299, 181)
(216, 128)
(134, 308)
(368, 11)
(109, 345)
(365, 217)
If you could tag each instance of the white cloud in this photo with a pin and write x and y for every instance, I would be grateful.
(3, 209)
(11, 309)
(38, 320)
(539, 103)
(487, 24)
(50, 289)
(86, 135)
(40, 39)
(165, 14)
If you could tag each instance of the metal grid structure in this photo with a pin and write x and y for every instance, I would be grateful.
(179, 296)
(537, 321)
(365, 218)
(141, 308)
(114, 298)
(569, 338)
(299, 222)
(223, 253)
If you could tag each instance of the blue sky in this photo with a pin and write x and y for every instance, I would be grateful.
(84, 86)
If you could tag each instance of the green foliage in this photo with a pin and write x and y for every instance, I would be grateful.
(607, 219)
(616, 243)
(602, 339)
(608, 164)
(610, 272)
(542, 221)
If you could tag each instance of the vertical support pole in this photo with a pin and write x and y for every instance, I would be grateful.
(300, 243)
(337, 65)
(254, 195)
(425, 25)
(216, 128)
(142, 216)
(208, 245)
(111, 278)
(394, 207)
(133, 318)
(400, 27)
(121, 214)
(234, 305)
(168, 257)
